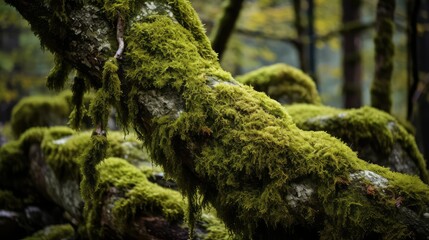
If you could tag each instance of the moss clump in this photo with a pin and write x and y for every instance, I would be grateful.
(62, 148)
(120, 8)
(376, 136)
(139, 195)
(53, 232)
(46, 111)
(64, 154)
(283, 83)
(39, 111)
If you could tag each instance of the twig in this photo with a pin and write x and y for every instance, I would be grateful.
(120, 37)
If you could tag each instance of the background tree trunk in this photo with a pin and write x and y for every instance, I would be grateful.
(352, 60)
(301, 42)
(224, 27)
(312, 57)
(384, 50)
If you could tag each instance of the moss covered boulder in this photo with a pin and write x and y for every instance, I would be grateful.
(376, 136)
(125, 204)
(283, 83)
(44, 111)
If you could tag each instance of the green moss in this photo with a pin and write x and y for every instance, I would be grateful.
(163, 74)
(362, 129)
(147, 44)
(39, 111)
(63, 153)
(14, 162)
(160, 40)
(124, 8)
(93, 155)
(111, 82)
(283, 83)
(139, 195)
(62, 148)
(188, 18)
(45, 111)
(53, 232)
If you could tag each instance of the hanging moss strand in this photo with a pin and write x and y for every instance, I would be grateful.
(108, 95)
(111, 82)
(58, 74)
(78, 89)
(93, 155)
(384, 51)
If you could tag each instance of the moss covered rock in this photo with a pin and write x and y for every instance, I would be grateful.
(376, 136)
(39, 111)
(124, 193)
(43, 111)
(283, 83)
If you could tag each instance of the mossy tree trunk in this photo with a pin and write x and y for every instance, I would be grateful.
(225, 26)
(236, 147)
(352, 60)
(384, 50)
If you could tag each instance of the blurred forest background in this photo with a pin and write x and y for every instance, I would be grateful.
(332, 41)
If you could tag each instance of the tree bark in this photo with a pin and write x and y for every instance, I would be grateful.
(236, 147)
(352, 62)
